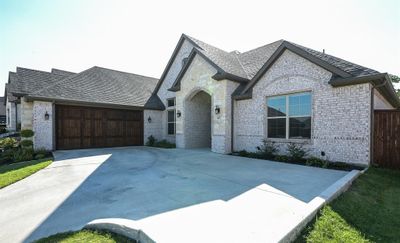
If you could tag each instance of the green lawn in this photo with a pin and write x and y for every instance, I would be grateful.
(14, 172)
(85, 236)
(368, 212)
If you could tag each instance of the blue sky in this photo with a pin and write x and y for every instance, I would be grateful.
(139, 36)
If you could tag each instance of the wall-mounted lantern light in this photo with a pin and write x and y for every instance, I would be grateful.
(149, 119)
(178, 114)
(46, 116)
(217, 110)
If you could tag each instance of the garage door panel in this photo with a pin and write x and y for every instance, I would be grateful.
(87, 127)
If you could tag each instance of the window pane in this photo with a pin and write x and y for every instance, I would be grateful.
(276, 106)
(300, 127)
(171, 116)
(300, 104)
(171, 128)
(171, 102)
(277, 128)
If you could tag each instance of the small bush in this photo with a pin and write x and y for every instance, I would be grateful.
(26, 143)
(317, 162)
(151, 141)
(296, 152)
(282, 158)
(40, 156)
(23, 154)
(3, 130)
(164, 144)
(268, 149)
(8, 143)
(243, 153)
(27, 133)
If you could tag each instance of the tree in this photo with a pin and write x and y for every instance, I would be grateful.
(395, 80)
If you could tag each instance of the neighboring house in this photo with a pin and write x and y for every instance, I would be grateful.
(226, 101)
(3, 112)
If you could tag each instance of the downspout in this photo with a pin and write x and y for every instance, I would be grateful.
(372, 128)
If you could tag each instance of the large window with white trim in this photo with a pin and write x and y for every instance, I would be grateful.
(289, 116)
(171, 123)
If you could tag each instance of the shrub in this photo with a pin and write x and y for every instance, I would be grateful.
(3, 130)
(282, 158)
(8, 143)
(268, 149)
(23, 154)
(40, 156)
(164, 144)
(151, 141)
(27, 133)
(296, 152)
(317, 162)
(243, 153)
(26, 143)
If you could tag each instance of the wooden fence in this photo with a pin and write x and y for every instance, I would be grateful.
(386, 145)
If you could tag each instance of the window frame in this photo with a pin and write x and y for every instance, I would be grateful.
(173, 109)
(287, 117)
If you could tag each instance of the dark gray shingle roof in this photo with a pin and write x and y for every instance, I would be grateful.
(104, 86)
(247, 64)
(349, 67)
(61, 72)
(27, 81)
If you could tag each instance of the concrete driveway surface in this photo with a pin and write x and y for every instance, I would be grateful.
(177, 195)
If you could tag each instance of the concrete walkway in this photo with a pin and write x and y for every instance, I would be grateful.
(170, 195)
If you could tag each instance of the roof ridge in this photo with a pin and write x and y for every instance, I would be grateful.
(39, 71)
(195, 39)
(114, 70)
(328, 55)
(281, 40)
(62, 80)
(241, 64)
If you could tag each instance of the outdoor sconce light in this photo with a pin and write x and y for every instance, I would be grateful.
(217, 110)
(46, 116)
(149, 119)
(178, 114)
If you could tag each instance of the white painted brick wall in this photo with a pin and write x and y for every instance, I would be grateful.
(155, 127)
(44, 129)
(340, 120)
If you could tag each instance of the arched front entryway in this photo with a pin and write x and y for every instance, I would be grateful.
(197, 120)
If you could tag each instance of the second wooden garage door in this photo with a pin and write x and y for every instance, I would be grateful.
(87, 127)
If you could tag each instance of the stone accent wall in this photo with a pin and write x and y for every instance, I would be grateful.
(44, 129)
(10, 116)
(169, 79)
(340, 116)
(198, 78)
(197, 130)
(26, 114)
(155, 127)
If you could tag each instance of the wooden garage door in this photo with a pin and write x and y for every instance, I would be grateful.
(88, 127)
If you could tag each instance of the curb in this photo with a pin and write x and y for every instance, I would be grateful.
(317, 203)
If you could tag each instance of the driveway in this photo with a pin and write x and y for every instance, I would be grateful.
(174, 192)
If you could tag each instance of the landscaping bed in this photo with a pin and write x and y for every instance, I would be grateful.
(152, 142)
(295, 154)
(18, 159)
(86, 236)
(368, 212)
